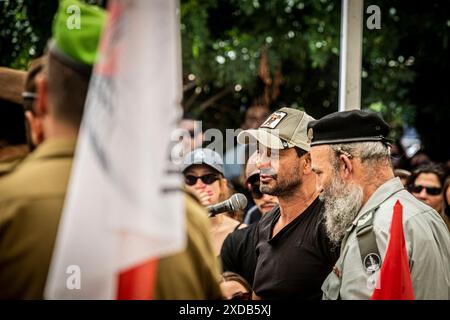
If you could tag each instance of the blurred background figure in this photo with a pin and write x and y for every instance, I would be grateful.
(426, 184)
(194, 138)
(203, 177)
(263, 202)
(234, 287)
(34, 129)
(403, 175)
(235, 158)
(446, 191)
(13, 143)
(399, 158)
(419, 159)
(32, 196)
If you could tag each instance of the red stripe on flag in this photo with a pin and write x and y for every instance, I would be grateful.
(138, 283)
(395, 277)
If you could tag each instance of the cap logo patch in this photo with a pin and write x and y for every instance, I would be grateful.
(273, 120)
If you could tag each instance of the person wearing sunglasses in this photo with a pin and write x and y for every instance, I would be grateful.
(263, 202)
(426, 183)
(446, 192)
(203, 177)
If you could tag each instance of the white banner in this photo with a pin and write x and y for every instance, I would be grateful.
(124, 203)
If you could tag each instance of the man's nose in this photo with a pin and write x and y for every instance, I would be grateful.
(199, 184)
(423, 194)
(263, 161)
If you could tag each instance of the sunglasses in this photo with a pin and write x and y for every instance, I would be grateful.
(433, 191)
(191, 180)
(254, 187)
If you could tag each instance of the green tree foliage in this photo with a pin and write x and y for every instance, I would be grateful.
(286, 53)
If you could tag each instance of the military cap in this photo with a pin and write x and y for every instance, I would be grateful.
(348, 126)
(77, 28)
(285, 128)
(203, 156)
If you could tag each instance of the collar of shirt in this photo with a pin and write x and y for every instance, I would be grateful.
(53, 148)
(384, 192)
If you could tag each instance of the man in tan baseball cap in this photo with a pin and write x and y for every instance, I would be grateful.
(12, 121)
(294, 254)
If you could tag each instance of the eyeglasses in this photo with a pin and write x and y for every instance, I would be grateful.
(191, 180)
(433, 191)
(28, 99)
(241, 296)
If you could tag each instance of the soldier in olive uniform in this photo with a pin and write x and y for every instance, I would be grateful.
(351, 158)
(32, 197)
(13, 146)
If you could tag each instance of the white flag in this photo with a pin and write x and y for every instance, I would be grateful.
(124, 205)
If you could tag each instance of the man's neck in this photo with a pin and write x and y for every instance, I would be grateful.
(54, 129)
(372, 182)
(294, 204)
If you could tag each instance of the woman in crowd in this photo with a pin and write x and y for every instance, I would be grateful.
(203, 176)
(426, 184)
(446, 192)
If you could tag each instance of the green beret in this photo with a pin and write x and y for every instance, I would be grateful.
(77, 29)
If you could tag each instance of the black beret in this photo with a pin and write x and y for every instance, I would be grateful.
(348, 126)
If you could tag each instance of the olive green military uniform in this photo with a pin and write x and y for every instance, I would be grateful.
(427, 245)
(8, 166)
(31, 201)
(193, 273)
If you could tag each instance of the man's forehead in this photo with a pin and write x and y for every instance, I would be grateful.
(320, 155)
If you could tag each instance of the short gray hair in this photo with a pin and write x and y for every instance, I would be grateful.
(371, 153)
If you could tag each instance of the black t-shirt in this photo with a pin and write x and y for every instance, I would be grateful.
(238, 252)
(295, 262)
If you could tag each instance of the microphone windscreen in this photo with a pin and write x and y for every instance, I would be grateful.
(239, 201)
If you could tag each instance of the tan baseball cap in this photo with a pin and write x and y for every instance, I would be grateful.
(285, 128)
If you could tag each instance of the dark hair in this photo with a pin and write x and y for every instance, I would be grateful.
(232, 276)
(300, 152)
(434, 168)
(36, 66)
(444, 191)
(67, 90)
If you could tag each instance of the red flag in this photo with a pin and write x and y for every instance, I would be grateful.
(395, 278)
(137, 283)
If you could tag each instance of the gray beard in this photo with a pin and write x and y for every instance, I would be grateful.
(342, 204)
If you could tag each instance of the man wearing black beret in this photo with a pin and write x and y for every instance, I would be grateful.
(351, 157)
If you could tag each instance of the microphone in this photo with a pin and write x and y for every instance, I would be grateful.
(236, 202)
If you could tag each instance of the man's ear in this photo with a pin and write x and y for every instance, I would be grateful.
(42, 95)
(307, 166)
(346, 166)
(35, 125)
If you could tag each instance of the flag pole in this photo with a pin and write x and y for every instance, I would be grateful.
(350, 55)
